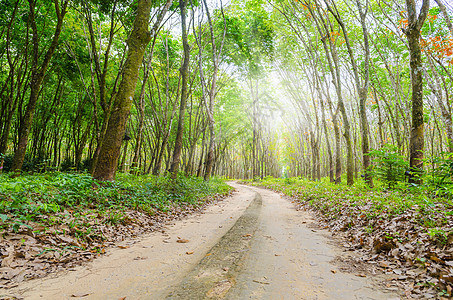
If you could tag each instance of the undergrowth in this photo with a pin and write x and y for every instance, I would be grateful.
(334, 199)
(39, 201)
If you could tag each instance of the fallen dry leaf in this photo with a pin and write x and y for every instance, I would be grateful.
(189, 252)
(56, 247)
(140, 258)
(261, 282)
(79, 295)
(182, 241)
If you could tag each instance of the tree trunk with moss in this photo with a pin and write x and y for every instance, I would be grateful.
(140, 37)
(37, 76)
(416, 143)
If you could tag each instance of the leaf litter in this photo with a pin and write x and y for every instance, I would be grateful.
(35, 249)
(415, 262)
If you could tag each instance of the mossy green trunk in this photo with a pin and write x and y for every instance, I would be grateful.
(140, 37)
(37, 76)
(416, 143)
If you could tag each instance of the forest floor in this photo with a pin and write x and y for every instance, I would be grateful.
(253, 245)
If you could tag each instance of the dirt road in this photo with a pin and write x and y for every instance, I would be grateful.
(254, 245)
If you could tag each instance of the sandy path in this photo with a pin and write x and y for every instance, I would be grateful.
(147, 268)
(289, 260)
(271, 254)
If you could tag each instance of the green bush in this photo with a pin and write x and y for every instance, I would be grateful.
(37, 164)
(439, 178)
(389, 166)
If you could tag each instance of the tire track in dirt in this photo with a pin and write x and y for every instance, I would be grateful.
(289, 259)
(216, 272)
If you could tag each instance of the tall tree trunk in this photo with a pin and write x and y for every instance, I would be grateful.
(182, 107)
(362, 87)
(139, 137)
(140, 37)
(212, 93)
(363, 93)
(433, 80)
(37, 76)
(200, 163)
(123, 160)
(417, 140)
(443, 9)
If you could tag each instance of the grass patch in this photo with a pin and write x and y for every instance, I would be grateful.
(45, 200)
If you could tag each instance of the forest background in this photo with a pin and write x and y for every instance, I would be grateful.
(258, 87)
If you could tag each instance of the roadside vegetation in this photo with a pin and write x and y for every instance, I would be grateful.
(52, 220)
(406, 232)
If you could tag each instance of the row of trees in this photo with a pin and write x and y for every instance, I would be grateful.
(385, 64)
(142, 86)
(154, 86)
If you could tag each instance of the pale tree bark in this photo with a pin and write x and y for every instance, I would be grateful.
(334, 66)
(140, 105)
(434, 83)
(212, 94)
(140, 37)
(361, 85)
(443, 9)
(212, 88)
(417, 140)
(335, 71)
(326, 131)
(184, 91)
(162, 115)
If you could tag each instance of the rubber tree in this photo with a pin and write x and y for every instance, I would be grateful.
(361, 84)
(324, 28)
(38, 71)
(417, 140)
(216, 53)
(137, 42)
(184, 92)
